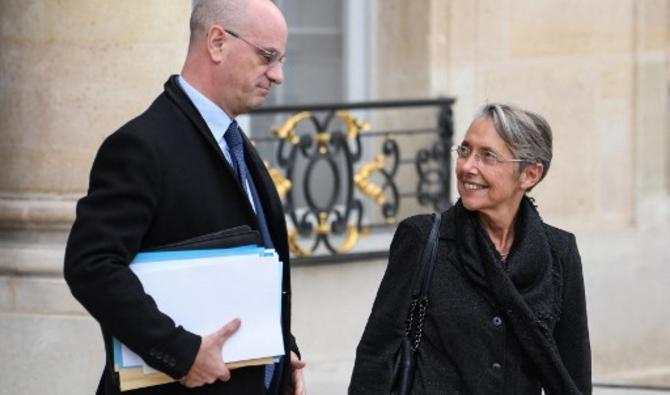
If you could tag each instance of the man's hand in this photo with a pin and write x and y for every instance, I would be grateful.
(209, 366)
(297, 379)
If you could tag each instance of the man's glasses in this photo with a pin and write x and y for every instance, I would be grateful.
(487, 157)
(270, 56)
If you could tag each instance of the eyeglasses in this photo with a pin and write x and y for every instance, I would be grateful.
(487, 157)
(270, 56)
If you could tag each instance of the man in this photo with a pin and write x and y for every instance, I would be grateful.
(180, 170)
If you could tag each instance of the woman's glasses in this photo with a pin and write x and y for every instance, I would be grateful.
(487, 157)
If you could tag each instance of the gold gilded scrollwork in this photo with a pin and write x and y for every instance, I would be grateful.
(354, 126)
(287, 130)
(324, 226)
(363, 183)
(323, 139)
(351, 238)
(293, 245)
(282, 184)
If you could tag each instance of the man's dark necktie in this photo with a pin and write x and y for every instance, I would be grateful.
(234, 141)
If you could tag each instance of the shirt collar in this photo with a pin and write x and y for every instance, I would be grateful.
(216, 119)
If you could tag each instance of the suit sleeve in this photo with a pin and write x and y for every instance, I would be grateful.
(108, 232)
(375, 355)
(572, 332)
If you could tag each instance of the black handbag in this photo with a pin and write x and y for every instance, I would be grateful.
(405, 361)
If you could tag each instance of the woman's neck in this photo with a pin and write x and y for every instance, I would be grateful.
(500, 230)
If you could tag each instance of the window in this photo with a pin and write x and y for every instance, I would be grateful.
(327, 56)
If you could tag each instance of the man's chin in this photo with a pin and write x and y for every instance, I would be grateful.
(257, 102)
(252, 103)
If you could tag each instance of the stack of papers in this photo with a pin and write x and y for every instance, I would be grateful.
(202, 290)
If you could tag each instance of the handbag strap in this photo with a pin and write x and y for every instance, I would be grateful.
(419, 304)
(422, 285)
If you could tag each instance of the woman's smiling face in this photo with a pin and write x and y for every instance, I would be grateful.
(489, 187)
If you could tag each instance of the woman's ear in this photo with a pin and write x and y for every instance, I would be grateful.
(531, 175)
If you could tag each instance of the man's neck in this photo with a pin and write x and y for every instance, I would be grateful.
(200, 78)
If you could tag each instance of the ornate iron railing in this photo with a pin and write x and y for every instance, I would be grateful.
(331, 175)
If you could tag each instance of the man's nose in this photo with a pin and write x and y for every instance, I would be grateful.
(276, 73)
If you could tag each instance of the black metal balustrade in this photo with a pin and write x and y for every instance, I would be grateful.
(314, 144)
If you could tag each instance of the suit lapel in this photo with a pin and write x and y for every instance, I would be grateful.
(182, 101)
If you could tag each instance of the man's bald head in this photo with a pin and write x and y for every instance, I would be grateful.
(228, 13)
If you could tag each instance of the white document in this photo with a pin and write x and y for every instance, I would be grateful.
(202, 292)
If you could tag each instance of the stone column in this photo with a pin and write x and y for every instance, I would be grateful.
(651, 102)
(71, 72)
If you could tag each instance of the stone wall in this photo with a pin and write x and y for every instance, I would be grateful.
(598, 71)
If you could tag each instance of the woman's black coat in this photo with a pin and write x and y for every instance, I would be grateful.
(468, 345)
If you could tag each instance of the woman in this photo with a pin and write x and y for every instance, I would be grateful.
(507, 313)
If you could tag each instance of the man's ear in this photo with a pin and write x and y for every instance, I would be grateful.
(216, 38)
(531, 175)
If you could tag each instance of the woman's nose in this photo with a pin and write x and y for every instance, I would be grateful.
(470, 162)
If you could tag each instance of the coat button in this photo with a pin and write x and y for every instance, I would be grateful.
(496, 366)
(159, 355)
(152, 352)
(172, 362)
(497, 321)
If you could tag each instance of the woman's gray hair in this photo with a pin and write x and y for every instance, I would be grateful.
(528, 135)
(227, 13)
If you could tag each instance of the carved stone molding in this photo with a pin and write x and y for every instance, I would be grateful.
(28, 260)
(47, 212)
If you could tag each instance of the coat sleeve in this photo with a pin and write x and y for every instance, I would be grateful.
(375, 355)
(108, 232)
(572, 332)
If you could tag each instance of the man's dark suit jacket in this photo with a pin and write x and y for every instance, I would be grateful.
(162, 178)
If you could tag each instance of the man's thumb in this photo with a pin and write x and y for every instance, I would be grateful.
(228, 330)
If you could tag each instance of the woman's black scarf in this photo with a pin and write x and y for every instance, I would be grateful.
(527, 287)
